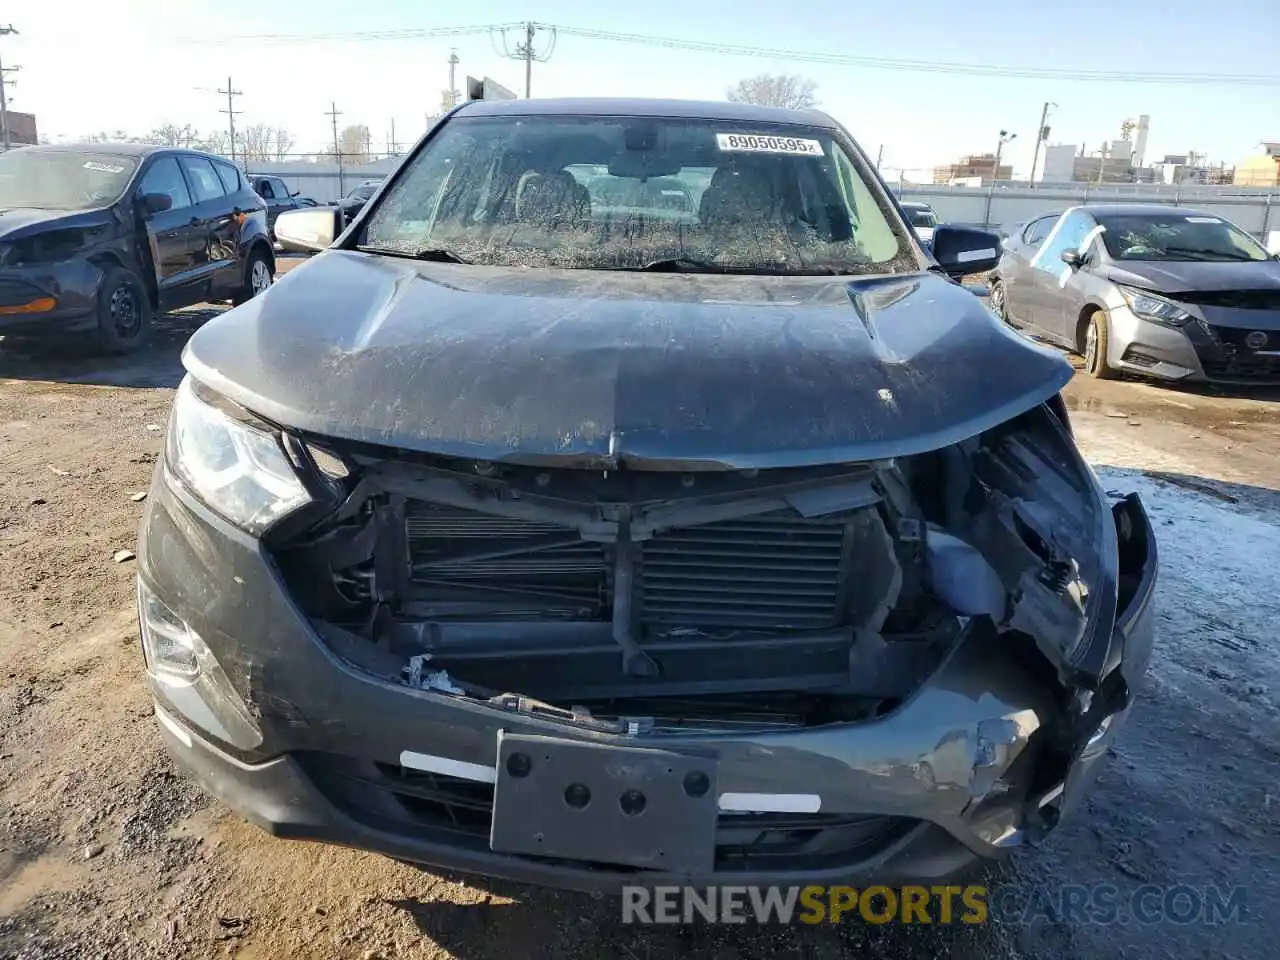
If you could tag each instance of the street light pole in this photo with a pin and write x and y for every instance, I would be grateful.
(4, 96)
(1005, 137)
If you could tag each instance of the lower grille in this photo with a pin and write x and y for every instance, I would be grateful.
(439, 808)
(1242, 366)
(776, 570)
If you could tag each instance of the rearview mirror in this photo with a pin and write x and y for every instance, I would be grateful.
(1072, 259)
(309, 229)
(962, 251)
(153, 203)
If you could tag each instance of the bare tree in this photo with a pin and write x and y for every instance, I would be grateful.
(281, 143)
(770, 90)
(353, 142)
(172, 135)
(255, 142)
(215, 141)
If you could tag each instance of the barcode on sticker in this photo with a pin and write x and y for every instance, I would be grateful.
(754, 143)
(1203, 220)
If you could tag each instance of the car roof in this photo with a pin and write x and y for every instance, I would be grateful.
(136, 150)
(915, 204)
(644, 107)
(1140, 209)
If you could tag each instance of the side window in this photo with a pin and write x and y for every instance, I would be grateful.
(265, 191)
(204, 182)
(1037, 230)
(1069, 236)
(282, 192)
(163, 176)
(229, 176)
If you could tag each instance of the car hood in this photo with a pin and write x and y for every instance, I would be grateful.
(597, 367)
(1190, 277)
(19, 222)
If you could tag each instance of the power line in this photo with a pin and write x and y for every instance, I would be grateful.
(354, 36)
(922, 66)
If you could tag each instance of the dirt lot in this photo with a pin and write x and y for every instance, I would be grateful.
(105, 853)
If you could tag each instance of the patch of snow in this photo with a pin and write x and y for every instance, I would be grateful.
(1217, 603)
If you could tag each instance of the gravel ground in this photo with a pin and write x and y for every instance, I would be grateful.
(106, 853)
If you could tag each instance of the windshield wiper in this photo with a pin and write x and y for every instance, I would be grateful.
(688, 265)
(1204, 254)
(431, 254)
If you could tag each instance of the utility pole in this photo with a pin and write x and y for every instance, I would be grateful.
(1042, 136)
(231, 93)
(879, 156)
(334, 113)
(4, 94)
(526, 51)
(453, 87)
(393, 148)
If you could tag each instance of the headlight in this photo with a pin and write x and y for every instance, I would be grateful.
(1156, 309)
(237, 469)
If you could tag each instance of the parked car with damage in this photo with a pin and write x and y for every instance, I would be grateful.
(97, 238)
(1164, 292)
(588, 547)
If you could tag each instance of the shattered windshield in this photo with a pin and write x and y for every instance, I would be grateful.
(639, 193)
(1177, 237)
(62, 179)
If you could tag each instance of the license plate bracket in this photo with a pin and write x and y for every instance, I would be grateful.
(633, 806)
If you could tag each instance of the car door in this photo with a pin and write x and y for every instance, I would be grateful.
(284, 197)
(1015, 269)
(217, 224)
(1049, 275)
(171, 234)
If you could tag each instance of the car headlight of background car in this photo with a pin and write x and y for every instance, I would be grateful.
(234, 466)
(1156, 309)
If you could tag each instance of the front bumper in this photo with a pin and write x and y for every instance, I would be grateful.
(954, 774)
(1190, 354)
(70, 285)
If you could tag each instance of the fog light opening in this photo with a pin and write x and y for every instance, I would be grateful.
(171, 648)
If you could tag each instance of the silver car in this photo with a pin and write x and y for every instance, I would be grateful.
(1161, 291)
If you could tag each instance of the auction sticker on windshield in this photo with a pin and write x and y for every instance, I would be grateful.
(103, 167)
(754, 143)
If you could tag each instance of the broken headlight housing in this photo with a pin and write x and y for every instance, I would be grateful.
(230, 461)
(1156, 309)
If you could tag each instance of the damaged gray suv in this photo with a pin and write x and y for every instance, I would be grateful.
(626, 496)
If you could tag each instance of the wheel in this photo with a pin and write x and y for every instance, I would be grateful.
(998, 305)
(124, 311)
(257, 277)
(1095, 347)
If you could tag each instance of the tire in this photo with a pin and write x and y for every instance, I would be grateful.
(1095, 347)
(257, 277)
(997, 300)
(124, 312)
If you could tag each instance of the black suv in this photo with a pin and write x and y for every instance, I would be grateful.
(278, 198)
(98, 237)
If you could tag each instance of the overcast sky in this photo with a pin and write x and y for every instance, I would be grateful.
(133, 64)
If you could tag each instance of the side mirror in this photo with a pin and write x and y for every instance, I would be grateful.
(309, 229)
(295, 193)
(153, 203)
(962, 251)
(1072, 259)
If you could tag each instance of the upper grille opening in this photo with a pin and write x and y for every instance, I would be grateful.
(459, 556)
(772, 571)
(776, 570)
